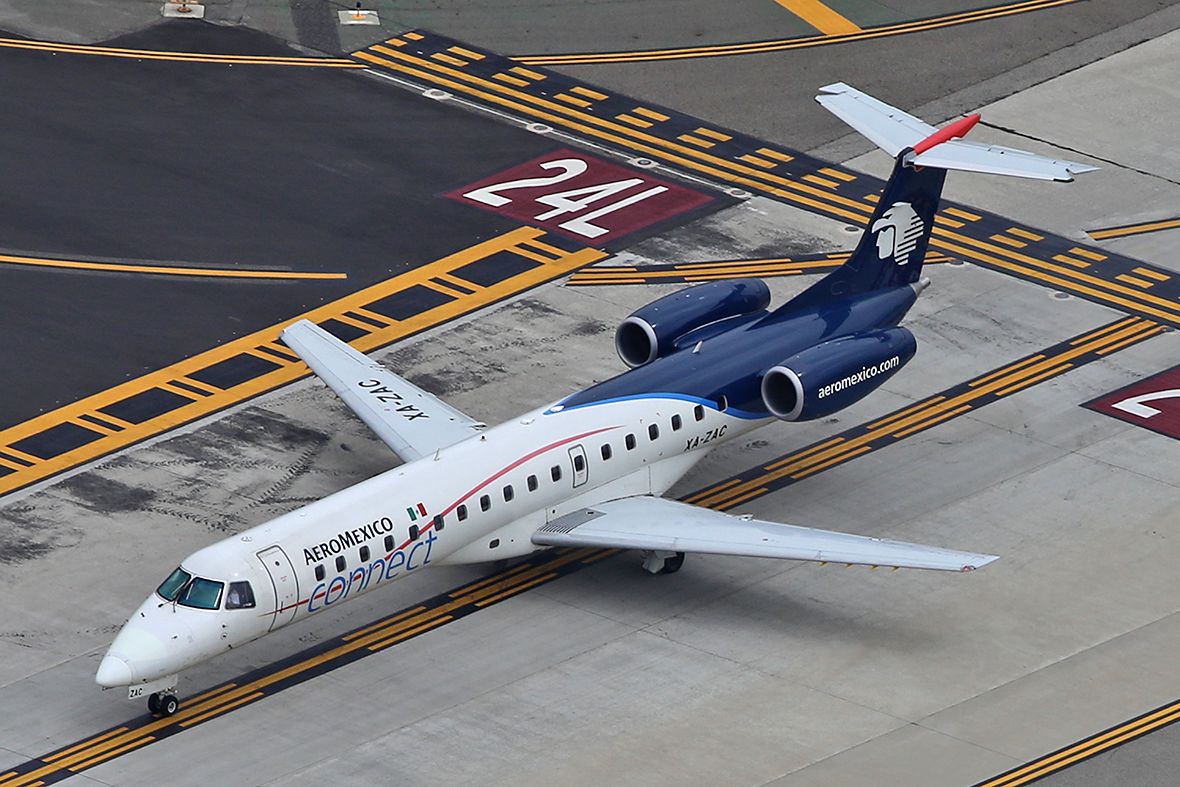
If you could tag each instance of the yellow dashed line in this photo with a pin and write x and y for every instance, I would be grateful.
(1071, 261)
(775, 154)
(467, 53)
(588, 93)
(1132, 280)
(1157, 275)
(511, 80)
(524, 72)
(1093, 255)
(1016, 244)
(717, 135)
(749, 158)
(577, 102)
(821, 181)
(634, 121)
(650, 113)
(445, 58)
(701, 143)
(1020, 233)
(837, 174)
(962, 214)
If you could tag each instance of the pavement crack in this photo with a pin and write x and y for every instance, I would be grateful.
(1087, 154)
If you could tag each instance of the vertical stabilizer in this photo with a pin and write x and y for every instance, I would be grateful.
(891, 251)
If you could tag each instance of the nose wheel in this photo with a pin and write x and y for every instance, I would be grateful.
(163, 703)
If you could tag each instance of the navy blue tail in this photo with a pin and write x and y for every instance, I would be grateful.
(891, 251)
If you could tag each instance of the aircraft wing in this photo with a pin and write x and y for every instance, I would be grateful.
(654, 523)
(409, 420)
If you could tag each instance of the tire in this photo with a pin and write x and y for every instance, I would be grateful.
(169, 704)
(154, 703)
(673, 564)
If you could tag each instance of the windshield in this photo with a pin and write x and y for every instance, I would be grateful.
(171, 586)
(202, 594)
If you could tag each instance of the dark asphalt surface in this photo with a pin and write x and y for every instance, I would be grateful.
(772, 96)
(258, 166)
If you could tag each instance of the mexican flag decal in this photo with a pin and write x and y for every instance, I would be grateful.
(416, 511)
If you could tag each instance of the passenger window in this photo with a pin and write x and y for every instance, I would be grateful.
(653, 431)
(340, 564)
(364, 556)
(606, 452)
(461, 513)
(388, 547)
(555, 472)
(676, 423)
(629, 441)
(722, 403)
(485, 502)
(698, 412)
(319, 572)
(414, 532)
(532, 483)
(579, 463)
(495, 542)
(508, 493)
(438, 522)
(240, 596)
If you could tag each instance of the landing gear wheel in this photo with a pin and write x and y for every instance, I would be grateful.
(154, 703)
(169, 704)
(660, 562)
(673, 564)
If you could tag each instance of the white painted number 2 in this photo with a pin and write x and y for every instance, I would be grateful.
(572, 201)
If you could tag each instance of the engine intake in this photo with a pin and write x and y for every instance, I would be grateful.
(651, 332)
(831, 376)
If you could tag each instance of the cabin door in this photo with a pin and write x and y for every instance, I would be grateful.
(579, 464)
(282, 576)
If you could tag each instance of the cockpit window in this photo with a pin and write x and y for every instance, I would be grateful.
(240, 596)
(202, 594)
(172, 586)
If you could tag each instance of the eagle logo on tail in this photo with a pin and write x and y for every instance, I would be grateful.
(898, 231)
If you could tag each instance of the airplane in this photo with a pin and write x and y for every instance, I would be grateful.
(707, 364)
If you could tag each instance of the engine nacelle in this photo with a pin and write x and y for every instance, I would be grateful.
(651, 332)
(830, 376)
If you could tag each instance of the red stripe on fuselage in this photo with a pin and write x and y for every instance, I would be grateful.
(498, 474)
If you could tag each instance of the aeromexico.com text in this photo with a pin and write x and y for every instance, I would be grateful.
(866, 373)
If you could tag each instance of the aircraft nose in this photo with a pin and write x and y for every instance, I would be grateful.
(112, 672)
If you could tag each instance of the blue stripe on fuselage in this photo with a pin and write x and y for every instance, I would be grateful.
(735, 412)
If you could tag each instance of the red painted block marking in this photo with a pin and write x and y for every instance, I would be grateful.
(581, 196)
(1153, 403)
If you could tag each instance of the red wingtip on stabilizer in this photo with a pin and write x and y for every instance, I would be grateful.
(957, 129)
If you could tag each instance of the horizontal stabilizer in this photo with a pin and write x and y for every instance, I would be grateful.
(895, 131)
(653, 523)
(410, 421)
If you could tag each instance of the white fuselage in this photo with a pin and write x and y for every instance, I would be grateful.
(489, 493)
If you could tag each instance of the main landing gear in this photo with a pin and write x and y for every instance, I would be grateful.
(658, 562)
(162, 703)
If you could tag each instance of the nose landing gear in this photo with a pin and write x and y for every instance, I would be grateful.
(161, 703)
